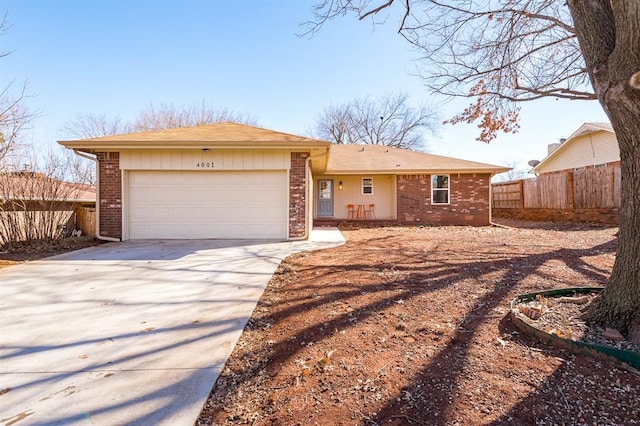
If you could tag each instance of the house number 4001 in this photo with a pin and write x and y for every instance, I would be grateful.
(204, 165)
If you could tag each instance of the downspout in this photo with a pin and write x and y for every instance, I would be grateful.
(491, 223)
(95, 159)
(491, 200)
(309, 193)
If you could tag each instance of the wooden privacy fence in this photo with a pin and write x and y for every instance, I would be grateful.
(597, 188)
(586, 190)
(507, 195)
(86, 220)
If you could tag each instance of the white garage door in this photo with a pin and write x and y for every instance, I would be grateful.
(186, 204)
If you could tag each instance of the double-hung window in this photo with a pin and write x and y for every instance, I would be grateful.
(367, 186)
(439, 189)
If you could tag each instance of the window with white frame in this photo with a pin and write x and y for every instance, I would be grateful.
(439, 189)
(367, 186)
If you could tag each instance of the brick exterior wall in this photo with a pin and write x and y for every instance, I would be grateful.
(468, 196)
(297, 194)
(610, 216)
(110, 196)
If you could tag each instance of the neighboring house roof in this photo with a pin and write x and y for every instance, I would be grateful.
(227, 135)
(378, 159)
(29, 186)
(592, 143)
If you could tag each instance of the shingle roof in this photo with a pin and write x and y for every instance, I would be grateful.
(348, 159)
(341, 158)
(219, 134)
(29, 186)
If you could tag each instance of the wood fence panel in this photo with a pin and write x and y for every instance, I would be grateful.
(86, 220)
(507, 195)
(590, 188)
(547, 192)
(531, 193)
(595, 188)
(554, 191)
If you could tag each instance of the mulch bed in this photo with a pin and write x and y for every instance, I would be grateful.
(411, 326)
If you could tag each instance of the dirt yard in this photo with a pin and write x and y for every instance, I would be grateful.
(411, 326)
(19, 252)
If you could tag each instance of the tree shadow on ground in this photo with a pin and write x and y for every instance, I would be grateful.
(404, 276)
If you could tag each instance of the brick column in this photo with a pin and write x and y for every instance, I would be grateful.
(298, 194)
(110, 196)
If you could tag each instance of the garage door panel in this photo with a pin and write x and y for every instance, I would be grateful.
(140, 215)
(178, 204)
(200, 213)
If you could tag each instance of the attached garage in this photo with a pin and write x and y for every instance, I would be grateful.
(230, 180)
(207, 204)
(223, 180)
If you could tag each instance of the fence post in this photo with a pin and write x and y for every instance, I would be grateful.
(521, 184)
(570, 190)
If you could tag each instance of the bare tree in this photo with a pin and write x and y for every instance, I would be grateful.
(518, 171)
(169, 116)
(36, 201)
(165, 116)
(388, 120)
(335, 124)
(14, 115)
(502, 52)
(93, 126)
(79, 170)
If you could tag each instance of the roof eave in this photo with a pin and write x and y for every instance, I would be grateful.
(122, 145)
(49, 200)
(416, 171)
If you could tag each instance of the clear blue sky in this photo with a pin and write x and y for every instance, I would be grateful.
(114, 57)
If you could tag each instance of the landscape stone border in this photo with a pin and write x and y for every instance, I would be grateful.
(596, 351)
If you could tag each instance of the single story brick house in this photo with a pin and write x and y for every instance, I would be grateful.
(230, 180)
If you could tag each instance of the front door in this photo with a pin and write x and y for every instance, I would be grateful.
(324, 198)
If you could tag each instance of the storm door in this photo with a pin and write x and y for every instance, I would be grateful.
(324, 198)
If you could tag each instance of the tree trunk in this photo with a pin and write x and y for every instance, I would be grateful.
(608, 35)
(619, 305)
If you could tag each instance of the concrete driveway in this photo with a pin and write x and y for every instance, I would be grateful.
(127, 333)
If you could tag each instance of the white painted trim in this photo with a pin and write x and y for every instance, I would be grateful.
(440, 189)
(362, 186)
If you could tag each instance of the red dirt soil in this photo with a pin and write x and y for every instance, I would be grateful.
(23, 251)
(411, 326)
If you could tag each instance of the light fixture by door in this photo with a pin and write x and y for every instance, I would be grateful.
(340, 185)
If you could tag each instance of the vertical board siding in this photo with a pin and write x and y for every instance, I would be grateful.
(215, 160)
(351, 193)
